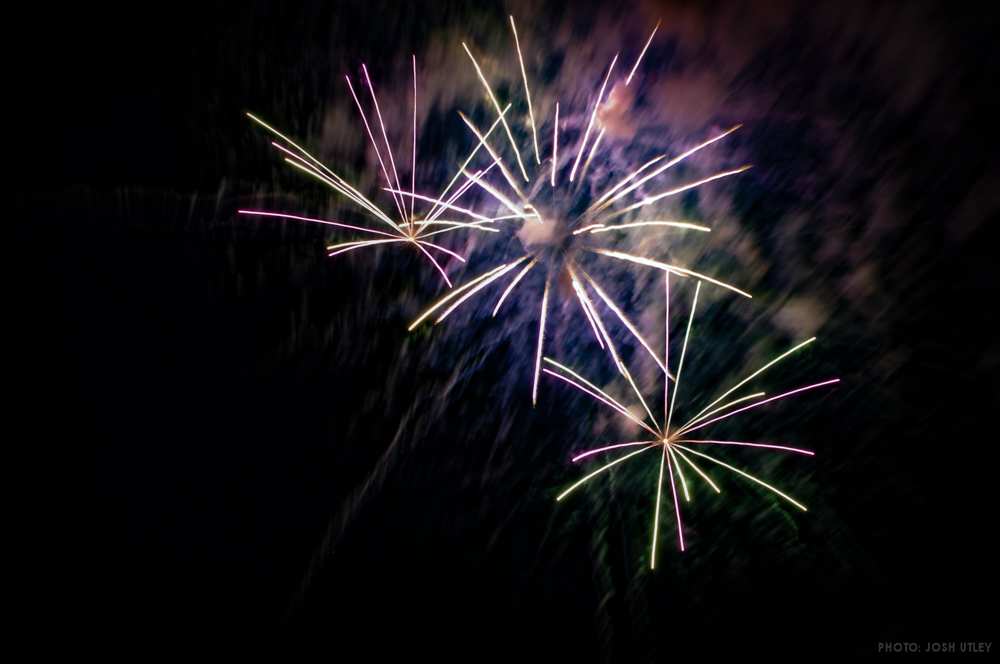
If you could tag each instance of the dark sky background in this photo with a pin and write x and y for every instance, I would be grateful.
(241, 443)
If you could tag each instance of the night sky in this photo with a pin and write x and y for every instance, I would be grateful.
(239, 443)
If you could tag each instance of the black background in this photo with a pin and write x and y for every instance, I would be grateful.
(195, 435)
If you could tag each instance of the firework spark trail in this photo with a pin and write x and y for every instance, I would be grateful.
(385, 135)
(496, 105)
(541, 342)
(510, 287)
(784, 448)
(670, 440)
(676, 269)
(644, 49)
(555, 145)
(493, 154)
(413, 165)
(601, 228)
(282, 215)
(684, 187)
(527, 92)
(469, 159)
(670, 164)
(593, 116)
(607, 448)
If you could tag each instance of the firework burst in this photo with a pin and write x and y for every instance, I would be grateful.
(676, 443)
(560, 223)
(401, 226)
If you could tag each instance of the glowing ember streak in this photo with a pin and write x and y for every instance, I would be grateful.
(677, 190)
(469, 159)
(832, 381)
(349, 246)
(601, 228)
(684, 272)
(680, 473)
(475, 215)
(413, 166)
(555, 145)
(601, 470)
(371, 137)
(616, 446)
(602, 397)
(626, 322)
(496, 157)
(680, 366)
(639, 59)
(673, 162)
(478, 288)
(593, 151)
(585, 304)
(385, 135)
(493, 192)
(434, 262)
(458, 291)
(769, 446)
(541, 341)
(677, 504)
(721, 408)
(656, 513)
(628, 179)
(281, 215)
(527, 92)
(520, 275)
(676, 450)
(496, 105)
(451, 253)
(748, 476)
(593, 116)
(339, 187)
(753, 375)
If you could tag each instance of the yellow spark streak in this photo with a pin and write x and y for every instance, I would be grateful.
(656, 514)
(593, 116)
(585, 304)
(696, 468)
(593, 151)
(555, 145)
(507, 291)
(601, 228)
(347, 246)
(601, 399)
(527, 92)
(320, 164)
(626, 322)
(748, 476)
(639, 59)
(381, 216)
(493, 192)
(611, 400)
(673, 162)
(601, 470)
(680, 366)
(677, 190)
(541, 341)
(589, 227)
(475, 290)
(440, 202)
(385, 136)
(682, 271)
(456, 292)
(680, 473)
(627, 179)
(413, 166)
(496, 105)
(752, 376)
(697, 419)
(468, 159)
(496, 157)
(622, 369)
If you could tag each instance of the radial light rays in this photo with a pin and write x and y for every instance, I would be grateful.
(553, 205)
(674, 442)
